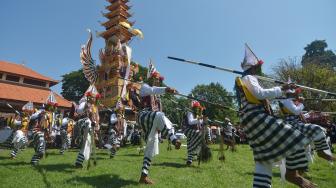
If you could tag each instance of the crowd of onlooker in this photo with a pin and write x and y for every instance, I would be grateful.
(235, 131)
(239, 135)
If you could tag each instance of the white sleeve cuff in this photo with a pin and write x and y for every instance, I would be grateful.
(278, 91)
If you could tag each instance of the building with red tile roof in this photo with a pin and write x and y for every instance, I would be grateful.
(20, 84)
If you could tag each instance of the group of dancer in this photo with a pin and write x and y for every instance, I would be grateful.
(271, 138)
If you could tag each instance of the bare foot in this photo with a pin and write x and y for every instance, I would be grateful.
(188, 163)
(294, 177)
(325, 156)
(145, 180)
(305, 175)
(178, 144)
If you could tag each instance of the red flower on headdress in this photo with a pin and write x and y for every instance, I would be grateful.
(98, 96)
(196, 104)
(298, 90)
(88, 94)
(161, 78)
(155, 75)
(260, 62)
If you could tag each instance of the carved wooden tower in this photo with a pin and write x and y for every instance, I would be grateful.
(113, 58)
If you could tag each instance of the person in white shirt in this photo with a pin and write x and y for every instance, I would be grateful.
(38, 136)
(193, 127)
(292, 108)
(88, 113)
(270, 139)
(113, 137)
(20, 137)
(66, 128)
(153, 120)
(228, 135)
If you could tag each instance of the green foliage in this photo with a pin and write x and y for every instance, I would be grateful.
(216, 93)
(142, 74)
(175, 108)
(314, 75)
(316, 69)
(317, 54)
(168, 170)
(74, 85)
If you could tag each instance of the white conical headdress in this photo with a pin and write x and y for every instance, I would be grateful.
(51, 100)
(250, 59)
(151, 70)
(92, 92)
(28, 107)
(289, 81)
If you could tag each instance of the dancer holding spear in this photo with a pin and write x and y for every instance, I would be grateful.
(270, 139)
(292, 110)
(194, 131)
(153, 120)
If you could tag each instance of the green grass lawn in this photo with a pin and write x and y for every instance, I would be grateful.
(168, 170)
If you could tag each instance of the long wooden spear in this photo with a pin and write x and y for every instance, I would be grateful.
(307, 99)
(241, 73)
(323, 100)
(193, 98)
(11, 107)
(201, 100)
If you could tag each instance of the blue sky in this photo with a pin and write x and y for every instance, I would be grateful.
(47, 34)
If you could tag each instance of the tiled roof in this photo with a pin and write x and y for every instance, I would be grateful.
(24, 71)
(23, 93)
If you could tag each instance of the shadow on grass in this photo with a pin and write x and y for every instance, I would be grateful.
(14, 164)
(2, 157)
(103, 153)
(169, 164)
(100, 181)
(42, 171)
(274, 174)
(73, 150)
(132, 155)
(68, 168)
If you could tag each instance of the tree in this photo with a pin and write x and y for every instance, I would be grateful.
(216, 93)
(74, 85)
(316, 53)
(314, 75)
(175, 108)
(142, 74)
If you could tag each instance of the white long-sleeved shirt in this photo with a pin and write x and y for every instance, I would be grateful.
(292, 107)
(81, 108)
(192, 120)
(113, 118)
(36, 115)
(228, 129)
(17, 122)
(260, 93)
(65, 122)
(306, 115)
(146, 90)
